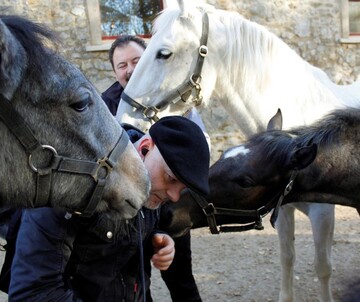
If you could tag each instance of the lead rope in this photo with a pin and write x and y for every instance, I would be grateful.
(141, 255)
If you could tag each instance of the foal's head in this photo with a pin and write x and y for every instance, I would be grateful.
(251, 174)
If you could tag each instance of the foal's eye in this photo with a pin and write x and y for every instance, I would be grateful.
(244, 182)
(82, 105)
(163, 54)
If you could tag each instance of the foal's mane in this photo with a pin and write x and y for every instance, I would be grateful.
(276, 144)
(36, 40)
(327, 130)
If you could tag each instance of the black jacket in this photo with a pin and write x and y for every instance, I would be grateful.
(111, 97)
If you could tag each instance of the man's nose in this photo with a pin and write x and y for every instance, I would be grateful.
(174, 194)
(130, 68)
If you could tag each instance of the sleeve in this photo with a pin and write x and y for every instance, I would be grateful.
(43, 248)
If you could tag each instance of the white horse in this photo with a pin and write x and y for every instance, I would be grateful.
(252, 73)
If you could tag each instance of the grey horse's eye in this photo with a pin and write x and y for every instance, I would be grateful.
(163, 54)
(82, 105)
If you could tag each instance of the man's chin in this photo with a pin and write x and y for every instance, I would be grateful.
(152, 205)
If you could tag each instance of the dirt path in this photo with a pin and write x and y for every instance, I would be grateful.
(245, 266)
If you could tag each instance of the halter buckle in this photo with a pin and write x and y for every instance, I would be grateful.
(262, 212)
(103, 170)
(209, 209)
(150, 112)
(203, 51)
(288, 187)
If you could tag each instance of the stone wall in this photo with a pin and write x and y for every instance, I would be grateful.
(311, 27)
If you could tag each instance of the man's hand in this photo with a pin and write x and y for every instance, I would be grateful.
(164, 251)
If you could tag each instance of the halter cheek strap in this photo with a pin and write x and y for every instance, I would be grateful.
(193, 83)
(211, 211)
(99, 170)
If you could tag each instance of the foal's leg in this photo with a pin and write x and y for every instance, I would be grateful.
(322, 222)
(285, 226)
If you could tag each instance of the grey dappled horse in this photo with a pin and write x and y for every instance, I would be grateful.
(60, 146)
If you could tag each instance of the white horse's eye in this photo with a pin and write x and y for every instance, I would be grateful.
(163, 54)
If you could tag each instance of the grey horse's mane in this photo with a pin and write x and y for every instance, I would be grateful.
(36, 40)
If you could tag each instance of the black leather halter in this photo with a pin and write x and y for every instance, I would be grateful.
(150, 112)
(98, 170)
(210, 211)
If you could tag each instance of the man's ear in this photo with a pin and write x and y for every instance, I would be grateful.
(144, 146)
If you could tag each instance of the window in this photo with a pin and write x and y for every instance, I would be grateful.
(109, 19)
(127, 17)
(354, 17)
(350, 15)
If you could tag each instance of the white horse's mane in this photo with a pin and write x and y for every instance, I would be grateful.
(256, 64)
(249, 45)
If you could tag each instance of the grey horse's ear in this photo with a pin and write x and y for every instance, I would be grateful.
(275, 122)
(12, 59)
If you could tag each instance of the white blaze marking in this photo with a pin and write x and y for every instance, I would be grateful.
(235, 151)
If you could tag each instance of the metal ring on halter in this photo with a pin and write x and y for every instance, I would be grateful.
(195, 84)
(43, 147)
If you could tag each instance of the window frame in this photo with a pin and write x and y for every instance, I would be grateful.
(346, 36)
(96, 43)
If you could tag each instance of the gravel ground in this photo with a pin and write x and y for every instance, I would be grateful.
(246, 266)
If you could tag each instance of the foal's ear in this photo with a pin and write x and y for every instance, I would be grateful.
(303, 157)
(275, 122)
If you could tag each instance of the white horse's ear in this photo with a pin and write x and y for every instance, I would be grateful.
(182, 6)
(188, 7)
(185, 6)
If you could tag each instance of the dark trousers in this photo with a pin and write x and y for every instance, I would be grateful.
(179, 277)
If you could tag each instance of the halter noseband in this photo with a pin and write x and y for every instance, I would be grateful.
(210, 211)
(98, 170)
(150, 112)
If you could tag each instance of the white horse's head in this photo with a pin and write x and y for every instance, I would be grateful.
(167, 66)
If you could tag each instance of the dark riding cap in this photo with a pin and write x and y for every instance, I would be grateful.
(185, 150)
